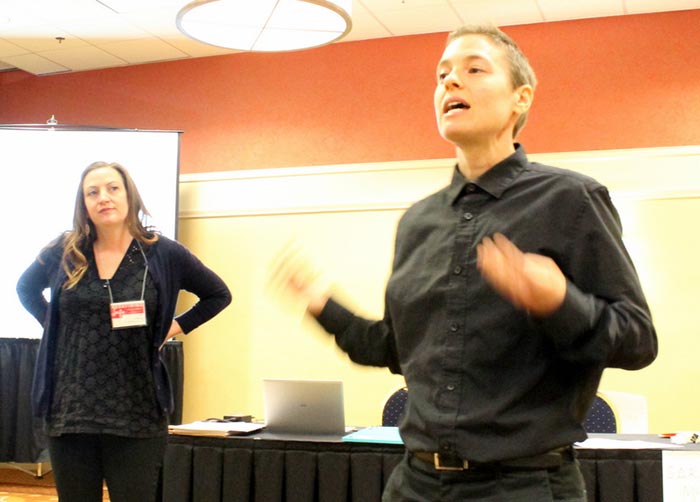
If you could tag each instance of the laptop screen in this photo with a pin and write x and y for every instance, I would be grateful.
(304, 406)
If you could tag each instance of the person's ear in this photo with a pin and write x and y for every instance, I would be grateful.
(523, 98)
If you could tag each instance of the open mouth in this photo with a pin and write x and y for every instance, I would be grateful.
(455, 105)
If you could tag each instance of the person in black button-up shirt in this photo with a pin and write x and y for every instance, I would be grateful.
(511, 291)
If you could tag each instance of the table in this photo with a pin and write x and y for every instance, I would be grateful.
(269, 468)
(275, 468)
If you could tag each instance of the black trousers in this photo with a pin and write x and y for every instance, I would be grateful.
(416, 481)
(83, 462)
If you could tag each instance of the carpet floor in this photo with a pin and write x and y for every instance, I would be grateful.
(19, 486)
(23, 496)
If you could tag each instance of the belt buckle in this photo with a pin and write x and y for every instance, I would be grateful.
(440, 467)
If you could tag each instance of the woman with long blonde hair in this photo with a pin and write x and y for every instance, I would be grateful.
(100, 386)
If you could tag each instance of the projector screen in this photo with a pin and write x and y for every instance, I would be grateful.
(42, 173)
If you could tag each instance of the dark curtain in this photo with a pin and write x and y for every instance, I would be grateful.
(21, 439)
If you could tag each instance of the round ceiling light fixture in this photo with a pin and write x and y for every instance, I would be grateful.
(266, 25)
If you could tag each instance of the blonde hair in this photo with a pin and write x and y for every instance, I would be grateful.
(83, 233)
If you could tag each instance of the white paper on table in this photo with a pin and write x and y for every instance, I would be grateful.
(620, 444)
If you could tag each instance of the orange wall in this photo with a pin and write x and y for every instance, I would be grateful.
(619, 82)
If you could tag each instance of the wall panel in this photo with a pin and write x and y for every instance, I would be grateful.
(344, 218)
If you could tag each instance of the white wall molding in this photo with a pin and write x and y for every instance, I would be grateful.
(639, 174)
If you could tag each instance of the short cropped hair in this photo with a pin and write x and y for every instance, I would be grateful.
(521, 73)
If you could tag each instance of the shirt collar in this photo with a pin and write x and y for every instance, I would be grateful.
(496, 180)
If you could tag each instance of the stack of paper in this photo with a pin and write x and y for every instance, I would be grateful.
(217, 429)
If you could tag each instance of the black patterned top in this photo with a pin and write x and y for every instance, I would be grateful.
(104, 382)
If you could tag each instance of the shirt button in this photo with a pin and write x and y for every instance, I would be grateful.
(457, 270)
(450, 387)
(468, 216)
(454, 327)
(471, 188)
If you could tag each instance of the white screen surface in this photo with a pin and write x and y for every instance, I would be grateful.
(42, 172)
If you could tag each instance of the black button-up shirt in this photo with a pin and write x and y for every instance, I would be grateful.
(485, 379)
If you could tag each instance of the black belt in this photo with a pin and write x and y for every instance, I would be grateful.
(550, 460)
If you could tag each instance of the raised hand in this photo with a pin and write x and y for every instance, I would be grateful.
(529, 281)
(292, 273)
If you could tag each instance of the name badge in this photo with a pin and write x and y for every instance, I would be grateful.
(128, 314)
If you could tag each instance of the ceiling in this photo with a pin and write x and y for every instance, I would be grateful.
(55, 36)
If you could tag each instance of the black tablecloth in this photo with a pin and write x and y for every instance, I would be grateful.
(268, 468)
(271, 469)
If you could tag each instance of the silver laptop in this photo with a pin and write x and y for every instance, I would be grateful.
(304, 406)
